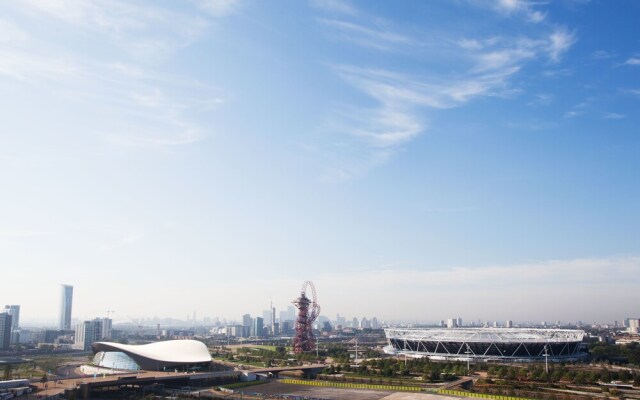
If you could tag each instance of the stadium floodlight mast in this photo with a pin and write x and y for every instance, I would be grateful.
(405, 352)
(546, 360)
(468, 353)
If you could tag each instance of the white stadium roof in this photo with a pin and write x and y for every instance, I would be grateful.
(494, 335)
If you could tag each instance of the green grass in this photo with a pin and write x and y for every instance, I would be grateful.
(263, 347)
(243, 384)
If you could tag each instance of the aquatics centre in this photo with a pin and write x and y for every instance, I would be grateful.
(170, 355)
(487, 344)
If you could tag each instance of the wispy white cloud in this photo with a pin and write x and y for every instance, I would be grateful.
(470, 44)
(485, 66)
(541, 99)
(11, 33)
(560, 41)
(634, 61)
(613, 115)
(543, 290)
(531, 125)
(30, 66)
(131, 238)
(165, 132)
(219, 8)
(500, 59)
(369, 37)
(500, 52)
(147, 32)
(566, 282)
(336, 6)
(461, 209)
(573, 272)
(572, 113)
(149, 109)
(339, 169)
(557, 72)
(521, 7)
(147, 117)
(397, 119)
(394, 121)
(578, 109)
(602, 55)
(21, 233)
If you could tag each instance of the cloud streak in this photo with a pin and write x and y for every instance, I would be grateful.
(219, 8)
(404, 102)
(633, 61)
(375, 38)
(483, 292)
(148, 109)
(521, 7)
(530, 291)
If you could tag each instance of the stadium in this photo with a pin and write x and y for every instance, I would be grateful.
(170, 355)
(487, 344)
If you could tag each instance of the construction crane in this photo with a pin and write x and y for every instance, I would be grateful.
(109, 313)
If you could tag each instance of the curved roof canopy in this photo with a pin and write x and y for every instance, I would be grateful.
(159, 355)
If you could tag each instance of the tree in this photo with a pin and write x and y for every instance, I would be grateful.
(580, 378)
(8, 372)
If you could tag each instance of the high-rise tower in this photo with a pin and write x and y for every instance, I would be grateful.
(14, 311)
(5, 330)
(66, 300)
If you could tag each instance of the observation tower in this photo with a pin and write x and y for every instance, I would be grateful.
(308, 311)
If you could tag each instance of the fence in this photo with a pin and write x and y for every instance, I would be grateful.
(478, 395)
(352, 385)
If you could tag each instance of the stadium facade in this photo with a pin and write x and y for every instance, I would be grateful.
(487, 344)
(182, 355)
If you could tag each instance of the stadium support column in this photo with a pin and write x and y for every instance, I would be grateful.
(468, 353)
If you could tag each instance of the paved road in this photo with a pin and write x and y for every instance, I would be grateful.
(54, 387)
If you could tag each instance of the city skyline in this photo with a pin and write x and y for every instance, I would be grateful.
(612, 318)
(415, 160)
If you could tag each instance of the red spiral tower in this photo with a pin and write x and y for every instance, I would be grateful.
(308, 311)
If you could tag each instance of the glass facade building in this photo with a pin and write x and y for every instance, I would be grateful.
(115, 360)
(182, 355)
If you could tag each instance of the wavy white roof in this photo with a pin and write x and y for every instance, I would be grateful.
(175, 351)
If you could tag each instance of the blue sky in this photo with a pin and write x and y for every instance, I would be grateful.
(416, 160)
